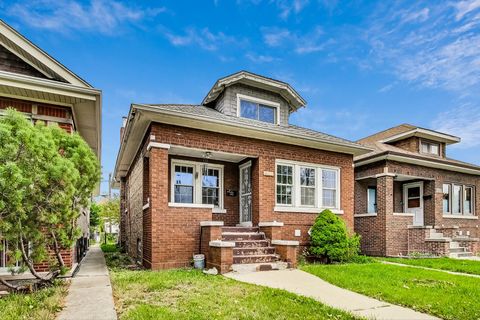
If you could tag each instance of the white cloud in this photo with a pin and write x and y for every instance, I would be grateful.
(203, 38)
(428, 46)
(260, 58)
(288, 6)
(302, 43)
(274, 37)
(95, 16)
(462, 121)
(465, 7)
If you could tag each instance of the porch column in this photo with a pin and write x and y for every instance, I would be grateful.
(154, 236)
(384, 208)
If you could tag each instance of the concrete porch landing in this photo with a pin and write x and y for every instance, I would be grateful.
(305, 284)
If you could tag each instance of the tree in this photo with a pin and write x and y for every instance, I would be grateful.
(110, 212)
(330, 239)
(94, 215)
(46, 176)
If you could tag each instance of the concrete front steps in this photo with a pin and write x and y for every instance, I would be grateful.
(252, 250)
(455, 250)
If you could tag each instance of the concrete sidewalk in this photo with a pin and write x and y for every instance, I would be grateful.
(308, 285)
(90, 293)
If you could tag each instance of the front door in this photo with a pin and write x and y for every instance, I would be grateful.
(246, 194)
(413, 201)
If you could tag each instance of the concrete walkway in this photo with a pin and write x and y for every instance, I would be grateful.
(432, 269)
(90, 293)
(308, 285)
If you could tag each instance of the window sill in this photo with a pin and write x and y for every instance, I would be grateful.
(190, 205)
(452, 216)
(197, 205)
(305, 210)
(361, 215)
(404, 214)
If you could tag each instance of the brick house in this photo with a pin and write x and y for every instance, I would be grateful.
(411, 198)
(229, 178)
(43, 89)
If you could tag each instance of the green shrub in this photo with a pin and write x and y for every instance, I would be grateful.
(330, 241)
(109, 247)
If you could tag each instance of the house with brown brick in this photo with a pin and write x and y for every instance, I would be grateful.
(230, 177)
(410, 198)
(43, 89)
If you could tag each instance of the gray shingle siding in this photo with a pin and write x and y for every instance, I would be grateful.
(227, 102)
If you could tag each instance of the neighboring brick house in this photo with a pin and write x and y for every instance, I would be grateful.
(411, 198)
(230, 178)
(41, 88)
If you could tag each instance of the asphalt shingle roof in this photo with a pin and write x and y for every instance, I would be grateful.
(203, 111)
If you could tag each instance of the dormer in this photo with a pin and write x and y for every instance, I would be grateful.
(247, 95)
(414, 139)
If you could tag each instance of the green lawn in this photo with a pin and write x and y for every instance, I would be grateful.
(189, 294)
(466, 266)
(437, 293)
(43, 304)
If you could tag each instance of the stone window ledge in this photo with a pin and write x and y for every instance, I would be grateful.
(460, 217)
(305, 209)
(404, 214)
(361, 215)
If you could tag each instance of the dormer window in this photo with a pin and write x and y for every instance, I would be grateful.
(257, 109)
(431, 148)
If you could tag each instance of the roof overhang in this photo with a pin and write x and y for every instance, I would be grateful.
(86, 103)
(36, 57)
(141, 116)
(437, 164)
(283, 89)
(423, 133)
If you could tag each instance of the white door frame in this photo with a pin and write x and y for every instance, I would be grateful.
(419, 213)
(240, 168)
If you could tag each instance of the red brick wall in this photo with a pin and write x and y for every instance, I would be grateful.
(410, 144)
(392, 228)
(171, 235)
(266, 153)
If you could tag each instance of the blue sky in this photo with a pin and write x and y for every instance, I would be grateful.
(363, 66)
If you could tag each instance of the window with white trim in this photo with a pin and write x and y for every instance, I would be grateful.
(211, 187)
(468, 200)
(447, 191)
(372, 200)
(329, 192)
(429, 147)
(257, 109)
(183, 184)
(197, 183)
(284, 184)
(458, 199)
(307, 185)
